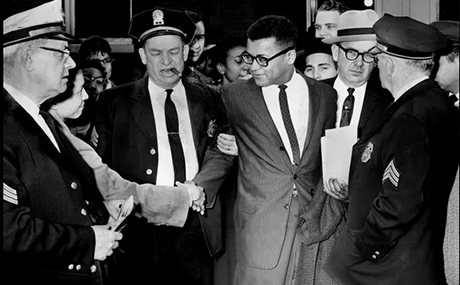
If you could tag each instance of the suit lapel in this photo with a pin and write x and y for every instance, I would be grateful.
(260, 108)
(371, 101)
(197, 111)
(140, 107)
(312, 111)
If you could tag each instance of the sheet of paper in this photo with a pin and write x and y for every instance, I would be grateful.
(336, 149)
(126, 209)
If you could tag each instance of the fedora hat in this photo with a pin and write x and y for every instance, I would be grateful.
(355, 25)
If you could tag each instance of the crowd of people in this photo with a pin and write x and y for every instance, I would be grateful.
(220, 147)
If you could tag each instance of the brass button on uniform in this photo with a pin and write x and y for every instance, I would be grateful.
(74, 185)
(70, 266)
(373, 256)
(83, 212)
(149, 171)
(93, 268)
(377, 253)
(152, 151)
(78, 267)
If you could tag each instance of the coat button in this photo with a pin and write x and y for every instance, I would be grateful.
(83, 212)
(377, 253)
(93, 268)
(70, 266)
(78, 267)
(286, 206)
(74, 185)
(373, 256)
(152, 151)
(282, 148)
(149, 171)
(295, 176)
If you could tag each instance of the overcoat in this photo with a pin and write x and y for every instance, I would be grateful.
(400, 180)
(52, 200)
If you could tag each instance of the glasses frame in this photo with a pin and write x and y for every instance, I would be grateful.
(246, 55)
(65, 53)
(93, 81)
(104, 61)
(362, 54)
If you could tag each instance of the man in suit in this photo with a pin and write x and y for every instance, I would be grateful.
(327, 17)
(54, 219)
(319, 63)
(277, 117)
(361, 98)
(447, 77)
(156, 130)
(401, 172)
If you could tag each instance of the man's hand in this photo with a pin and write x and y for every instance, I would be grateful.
(106, 241)
(227, 144)
(196, 194)
(336, 188)
(114, 207)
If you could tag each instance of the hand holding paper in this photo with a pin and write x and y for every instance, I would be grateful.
(125, 211)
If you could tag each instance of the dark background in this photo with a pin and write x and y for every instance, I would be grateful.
(111, 19)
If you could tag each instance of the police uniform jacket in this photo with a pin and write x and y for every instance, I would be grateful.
(400, 181)
(128, 142)
(50, 201)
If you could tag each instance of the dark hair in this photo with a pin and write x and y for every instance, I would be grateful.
(226, 43)
(94, 63)
(68, 93)
(332, 5)
(93, 45)
(274, 26)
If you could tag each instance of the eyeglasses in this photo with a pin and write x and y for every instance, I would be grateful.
(105, 61)
(262, 61)
(352, 54)
(64, 54)
(100, 81)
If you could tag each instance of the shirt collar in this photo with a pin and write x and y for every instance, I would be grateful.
(23, 100)
(157, 90)
(340, 85)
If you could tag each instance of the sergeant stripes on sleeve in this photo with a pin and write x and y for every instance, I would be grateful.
(391, 174)
(9, 194)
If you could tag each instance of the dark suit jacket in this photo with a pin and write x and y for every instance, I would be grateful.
(47, 234)
(376, 100)
(266, 175)
(128, 141)
(401, 177)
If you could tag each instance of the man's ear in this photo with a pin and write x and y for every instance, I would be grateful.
(335, 52)
(292, 55)
(27, 58)
(220, 68)
(143, 55)
(186, 50)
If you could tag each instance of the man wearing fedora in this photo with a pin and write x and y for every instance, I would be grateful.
(361, 98)
(402, 170)
(54, 219)
(447, 77)
(156, 130)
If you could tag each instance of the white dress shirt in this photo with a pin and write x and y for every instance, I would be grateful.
(32, 109)
(297, 97)
(342, 93)
(165, 172)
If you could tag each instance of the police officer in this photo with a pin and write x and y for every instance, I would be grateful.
(54, 220)
(400, 172)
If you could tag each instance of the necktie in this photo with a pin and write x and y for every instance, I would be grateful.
(172, 125)
(347, 110)
(288, 124)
